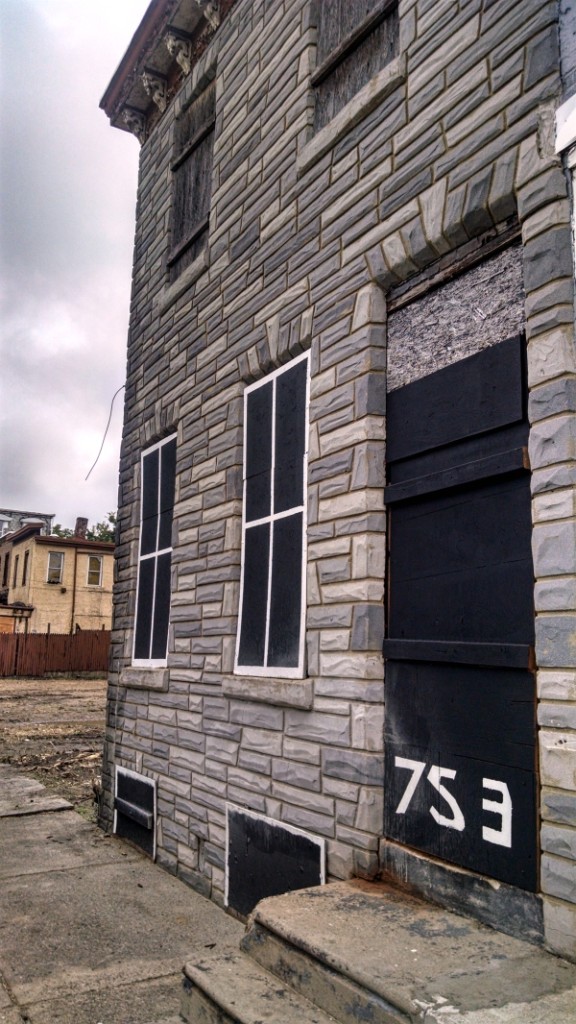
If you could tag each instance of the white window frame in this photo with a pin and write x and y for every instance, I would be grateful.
(100, 560)
(59, 555)
(273, 671)
(150, 662)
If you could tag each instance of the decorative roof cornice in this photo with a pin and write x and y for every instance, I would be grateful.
(170, 39)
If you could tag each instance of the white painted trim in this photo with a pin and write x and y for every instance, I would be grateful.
(120, 769)
(60, 555)
(296, 672)
(100, 559)
(318, 841)
(566, 125)
(150, 662)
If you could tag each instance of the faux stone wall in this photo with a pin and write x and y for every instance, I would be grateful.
(307, 235)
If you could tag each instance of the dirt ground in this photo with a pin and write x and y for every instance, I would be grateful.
(53, 729)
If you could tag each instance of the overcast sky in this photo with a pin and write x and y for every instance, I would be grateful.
(67, 201)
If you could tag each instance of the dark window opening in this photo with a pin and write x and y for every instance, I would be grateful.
(192, 170)
(157, 507)
(270, 639)
(355, 40)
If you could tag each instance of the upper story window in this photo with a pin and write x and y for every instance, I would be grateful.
(55, 567)
(272, 604)
(155, 562)
(15, 574)
(6, 569)
(355, 40)
(25, 568)
(192, 170)
(94, 577)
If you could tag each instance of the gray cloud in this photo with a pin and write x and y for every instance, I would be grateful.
(68, 192)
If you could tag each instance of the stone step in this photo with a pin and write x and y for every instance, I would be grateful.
(367, 951)
(229, 988)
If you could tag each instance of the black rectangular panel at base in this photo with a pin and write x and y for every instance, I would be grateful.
(134, 805)
(459, 770)
(266, 859)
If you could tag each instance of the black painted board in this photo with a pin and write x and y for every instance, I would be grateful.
(150, 478)
(484, 712)
(461, 565)
(474, 395)
(161, 606)
(463, 738)
(461, 453)
(258, 452)
(286, 593)
(144, 608)
(254, 595)
(504, 655)
(141, 794)
(290, 437)
(458, 476)
(167, 482)
(265, 859)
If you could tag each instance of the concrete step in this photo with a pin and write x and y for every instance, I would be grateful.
(229, 988)
(366, 951)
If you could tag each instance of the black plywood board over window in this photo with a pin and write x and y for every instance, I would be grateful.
(267, 859)
(270, 635)
(460, 699)
(134, 806)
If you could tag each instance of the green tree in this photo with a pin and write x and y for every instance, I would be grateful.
(62, 531)
(106, 530)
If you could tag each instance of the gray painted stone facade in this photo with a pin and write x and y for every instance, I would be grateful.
(312, 237)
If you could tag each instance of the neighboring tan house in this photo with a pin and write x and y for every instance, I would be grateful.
(54, 584)
(345, 633)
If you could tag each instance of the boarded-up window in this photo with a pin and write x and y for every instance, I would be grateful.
(271, 632)
(192, 169)
(157, 507)
(356, 39)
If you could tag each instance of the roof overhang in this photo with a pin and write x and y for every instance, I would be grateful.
(168, 42)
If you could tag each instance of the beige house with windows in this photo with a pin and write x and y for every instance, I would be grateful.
(53, 584)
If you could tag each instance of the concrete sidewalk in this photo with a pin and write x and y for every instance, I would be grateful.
(91, 932)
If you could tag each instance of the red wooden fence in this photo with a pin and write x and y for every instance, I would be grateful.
(39, 654)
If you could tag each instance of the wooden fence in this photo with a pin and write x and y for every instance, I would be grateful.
(40, 654)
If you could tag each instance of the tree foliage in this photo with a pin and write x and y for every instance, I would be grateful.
(104, 530)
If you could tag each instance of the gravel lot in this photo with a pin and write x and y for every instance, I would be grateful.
(53, 730)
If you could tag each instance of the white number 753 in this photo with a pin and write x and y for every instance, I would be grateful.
(501, 836)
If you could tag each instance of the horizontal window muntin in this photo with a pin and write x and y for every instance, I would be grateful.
(271, 631)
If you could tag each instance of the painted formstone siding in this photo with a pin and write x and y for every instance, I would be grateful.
(311, 234)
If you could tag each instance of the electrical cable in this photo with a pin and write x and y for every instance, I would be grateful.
(105, 432)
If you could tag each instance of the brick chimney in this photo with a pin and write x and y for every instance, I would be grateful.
(80, 528)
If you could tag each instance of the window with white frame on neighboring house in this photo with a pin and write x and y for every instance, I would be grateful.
(155, 559)
(355, 40)
(94, 578)
(15, 573)
(192, 180)
(55, 566)
(272, 604)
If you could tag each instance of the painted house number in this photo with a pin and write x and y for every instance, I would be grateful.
(501, 806)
